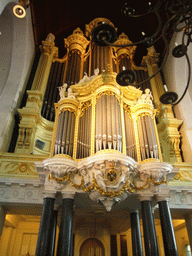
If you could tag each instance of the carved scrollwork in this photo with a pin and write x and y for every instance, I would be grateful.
(109, 178)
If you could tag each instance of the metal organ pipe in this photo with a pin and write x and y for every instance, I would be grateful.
(65, 133)
(141, 139)
(147, 137)
(130, 136)
(84, 134)
(108, 122)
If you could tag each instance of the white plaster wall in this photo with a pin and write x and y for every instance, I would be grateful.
(21, 55)
(6, 42)
(3, 3)
(176, 75)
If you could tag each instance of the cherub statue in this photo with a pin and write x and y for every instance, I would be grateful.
(149, 96)
(71, 95)
(62, 90)
(84, 79)
(96, 73)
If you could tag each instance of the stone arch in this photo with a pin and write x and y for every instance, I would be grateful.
(92, 247)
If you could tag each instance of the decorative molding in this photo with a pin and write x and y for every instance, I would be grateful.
(103, 177)
(20, 168)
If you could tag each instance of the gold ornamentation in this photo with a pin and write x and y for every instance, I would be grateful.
(146, 184)
(94, 185)
(34, 99)
(112, 174)
(85, 106)
(23, 168)
(126, 108)
(183, 176)
(109, 93)
(76, 42)
(94, 23)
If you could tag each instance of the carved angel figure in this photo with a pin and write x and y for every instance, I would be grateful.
(84, 79)
(149, 96)
(100, 180)
(62, 90)
(96, 73)
(71, 95)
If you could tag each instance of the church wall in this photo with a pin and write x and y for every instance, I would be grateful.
(181, 236)
(19, 236)
(176, 75)
(22, 54)
(20, 233)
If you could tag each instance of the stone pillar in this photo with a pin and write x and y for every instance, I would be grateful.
(44, 241)
(65, 242)
(150, 237)
(188, 222)
(2, 218)
(53, 235)
(169, 241)
(137, 248)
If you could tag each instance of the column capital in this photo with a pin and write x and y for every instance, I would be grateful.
(49, 194)
(146, 196)
(68, 195)
(162, 197)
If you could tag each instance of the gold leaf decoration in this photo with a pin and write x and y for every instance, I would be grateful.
(20, 168)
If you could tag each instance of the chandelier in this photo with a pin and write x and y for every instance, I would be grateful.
(178, 19)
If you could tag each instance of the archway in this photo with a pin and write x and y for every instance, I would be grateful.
(92, 247)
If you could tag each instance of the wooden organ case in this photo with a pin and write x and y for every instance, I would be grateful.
(93, 113)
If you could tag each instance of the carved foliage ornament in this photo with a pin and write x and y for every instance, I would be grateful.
(20, 168)
(109, 178)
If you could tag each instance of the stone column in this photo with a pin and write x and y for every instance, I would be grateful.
(137, 248)
(169, 241)
(150, 237)
(53, 235)
(188, 222)
(65, 242)
(2, 218)
(44, 241)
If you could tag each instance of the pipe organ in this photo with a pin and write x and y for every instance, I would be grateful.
(94, 113)
(84, 56)
(102, 116)
(104, 139)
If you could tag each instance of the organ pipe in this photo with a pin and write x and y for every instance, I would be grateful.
(65, 133)
(105, 124)
(108, 124)
(147, 137)
(84, 134)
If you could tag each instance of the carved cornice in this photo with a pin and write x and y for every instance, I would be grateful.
(76, 42)
(67, 104)
(104, 176)
(127, 51)
(94, 23)
(48, 47)
(106, 82)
